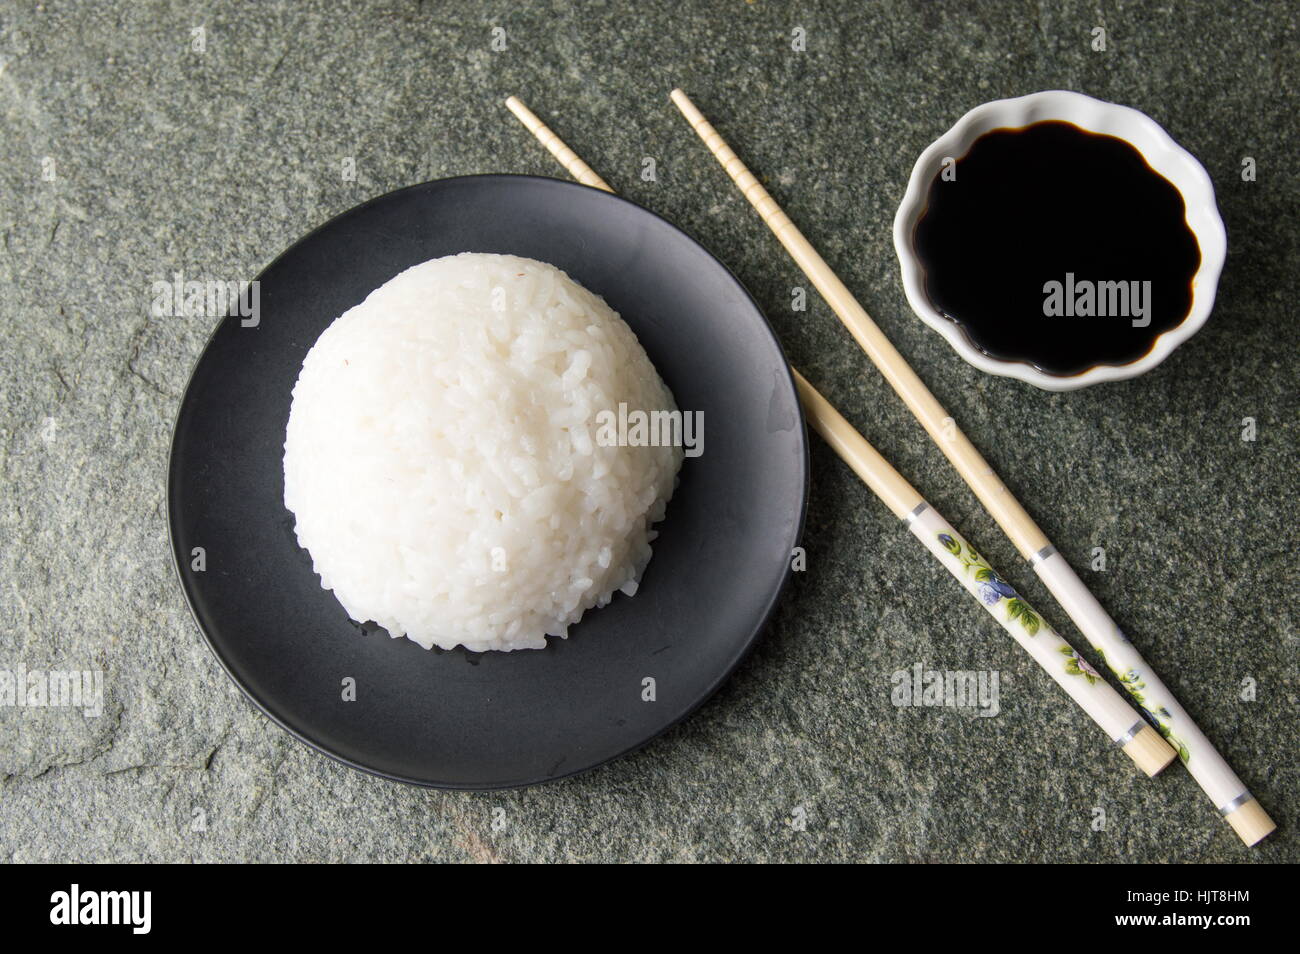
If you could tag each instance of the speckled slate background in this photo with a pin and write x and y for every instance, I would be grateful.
(212, 162)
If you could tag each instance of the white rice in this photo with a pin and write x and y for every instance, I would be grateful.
(442, 458)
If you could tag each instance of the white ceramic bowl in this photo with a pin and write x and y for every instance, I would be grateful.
(1160, 151)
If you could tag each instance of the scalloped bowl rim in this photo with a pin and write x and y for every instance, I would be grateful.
(1156, 146)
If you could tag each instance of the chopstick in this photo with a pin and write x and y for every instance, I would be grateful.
(1094, 695)
(1206, 765)
(1025, 625)
(573, 165)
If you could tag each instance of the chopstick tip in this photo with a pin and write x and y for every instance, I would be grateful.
(522, 113)
(686, 107)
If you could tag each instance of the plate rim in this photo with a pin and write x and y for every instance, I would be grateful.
(743, 651)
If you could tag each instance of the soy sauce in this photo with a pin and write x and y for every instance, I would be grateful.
(1051, 206)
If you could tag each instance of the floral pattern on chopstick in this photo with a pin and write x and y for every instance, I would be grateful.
(1076, 665)
(991, 588)
(1132, 681)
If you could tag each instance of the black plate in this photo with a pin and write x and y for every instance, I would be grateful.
(486, 720)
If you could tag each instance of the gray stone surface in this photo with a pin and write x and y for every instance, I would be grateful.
(167, 159)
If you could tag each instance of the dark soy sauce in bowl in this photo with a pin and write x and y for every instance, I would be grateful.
(1055, 246)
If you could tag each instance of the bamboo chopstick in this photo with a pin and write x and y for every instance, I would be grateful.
(1095, 696)
(1025, 625)
(573, 165)
(1203, 761)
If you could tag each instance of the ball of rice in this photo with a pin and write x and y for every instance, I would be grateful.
(445, 460)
